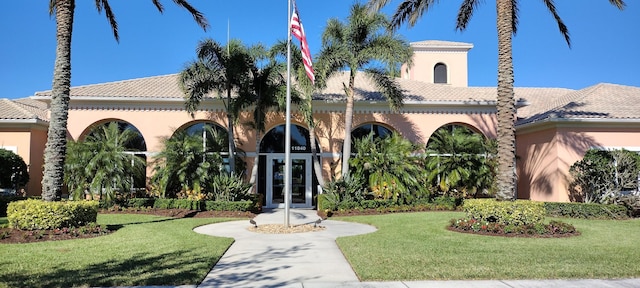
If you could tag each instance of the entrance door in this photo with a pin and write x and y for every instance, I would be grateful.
(300, 181)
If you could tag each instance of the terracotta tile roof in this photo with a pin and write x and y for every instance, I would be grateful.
(165, 86)
(601, 101)
(15, 110)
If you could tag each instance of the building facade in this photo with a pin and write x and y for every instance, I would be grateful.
(555, 126)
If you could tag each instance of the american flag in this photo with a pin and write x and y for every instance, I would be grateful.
(298, 31)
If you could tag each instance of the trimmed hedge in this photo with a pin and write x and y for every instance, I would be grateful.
(242, 206)
(586, 210)
(519, 212)
(39, 215)
(141, 202)
(164, 203)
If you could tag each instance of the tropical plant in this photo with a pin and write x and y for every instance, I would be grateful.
(602, 175)
(459, 160)
(221, 69)
(361, 43)
(13, 170)
(266, 90)
(390, 166)
(100, 164)
(229, 187)
(305, 88)
(54, 154)
(183, 165)
(507, 22)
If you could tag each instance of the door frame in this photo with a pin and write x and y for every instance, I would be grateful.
(308, 180)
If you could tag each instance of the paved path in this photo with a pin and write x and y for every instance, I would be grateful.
(277, 260)
(313, 260)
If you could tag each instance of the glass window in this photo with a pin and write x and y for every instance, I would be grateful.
(273, 141)
(440, 73)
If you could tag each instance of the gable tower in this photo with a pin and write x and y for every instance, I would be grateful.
(438, 62)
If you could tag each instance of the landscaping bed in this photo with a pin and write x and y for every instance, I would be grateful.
(10, 235)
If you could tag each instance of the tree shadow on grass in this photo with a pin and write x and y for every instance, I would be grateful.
(177, 268)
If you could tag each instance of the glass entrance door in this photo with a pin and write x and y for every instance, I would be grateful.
(300, 181)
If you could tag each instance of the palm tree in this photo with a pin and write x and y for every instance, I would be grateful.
(266, 90)
(507, 22)
(223, 70)
(183, 165)
(358, 44)
(458, 158)
(305, 88)
(55, 149)
(390, 167)
(99, 164)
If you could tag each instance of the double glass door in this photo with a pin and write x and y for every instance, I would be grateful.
(300, 181)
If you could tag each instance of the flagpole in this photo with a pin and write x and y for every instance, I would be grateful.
(287, 134)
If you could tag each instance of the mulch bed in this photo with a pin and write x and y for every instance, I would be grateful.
(486, 233)
(9, 235)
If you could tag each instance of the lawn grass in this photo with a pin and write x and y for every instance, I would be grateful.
(417, 246)
(146, 250)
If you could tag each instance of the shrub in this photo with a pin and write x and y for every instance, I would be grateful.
(586, 210)
(140, 202)
(553, 228)
(4, 202)
(178, 204)
(37, 214)
(242, 206)
(601, 175)
(13, 170)
(229, 187)
(518, 213)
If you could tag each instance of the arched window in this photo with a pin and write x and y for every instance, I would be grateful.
(214, 137)
(378, 131)
(273, 141)
(440, 73)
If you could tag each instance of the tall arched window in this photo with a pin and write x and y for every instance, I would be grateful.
(440, 73)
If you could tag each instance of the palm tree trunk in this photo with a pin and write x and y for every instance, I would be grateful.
(317, 169)
(348, 122)
(254, 169)
(55, 149)
(506, 178)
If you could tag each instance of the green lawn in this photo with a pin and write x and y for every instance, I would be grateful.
(416, 246)
(147, 250)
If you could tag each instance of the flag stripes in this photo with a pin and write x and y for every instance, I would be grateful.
(298, 31)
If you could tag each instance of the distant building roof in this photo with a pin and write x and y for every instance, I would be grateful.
(601, 101)
(22, 110)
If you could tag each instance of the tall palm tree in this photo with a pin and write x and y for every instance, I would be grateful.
(305, 88)
(55, 149)
(507, 22)
(267, 90)
(100, 165)
(221, 69)
(358, 44)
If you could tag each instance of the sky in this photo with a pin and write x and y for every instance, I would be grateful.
(605, 40)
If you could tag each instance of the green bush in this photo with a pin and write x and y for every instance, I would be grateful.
(4, 202)
(165, 203)
(242, 206)
(140, 202)
(586, 210)
(38, 215)
(13, 170)
(517, 213)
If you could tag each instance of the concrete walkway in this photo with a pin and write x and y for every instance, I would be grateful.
(279, 260)
(313, 259)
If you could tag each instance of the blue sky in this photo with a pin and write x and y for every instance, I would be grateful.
(604, 39)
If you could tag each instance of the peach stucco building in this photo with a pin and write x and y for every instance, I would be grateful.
(555, 126)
